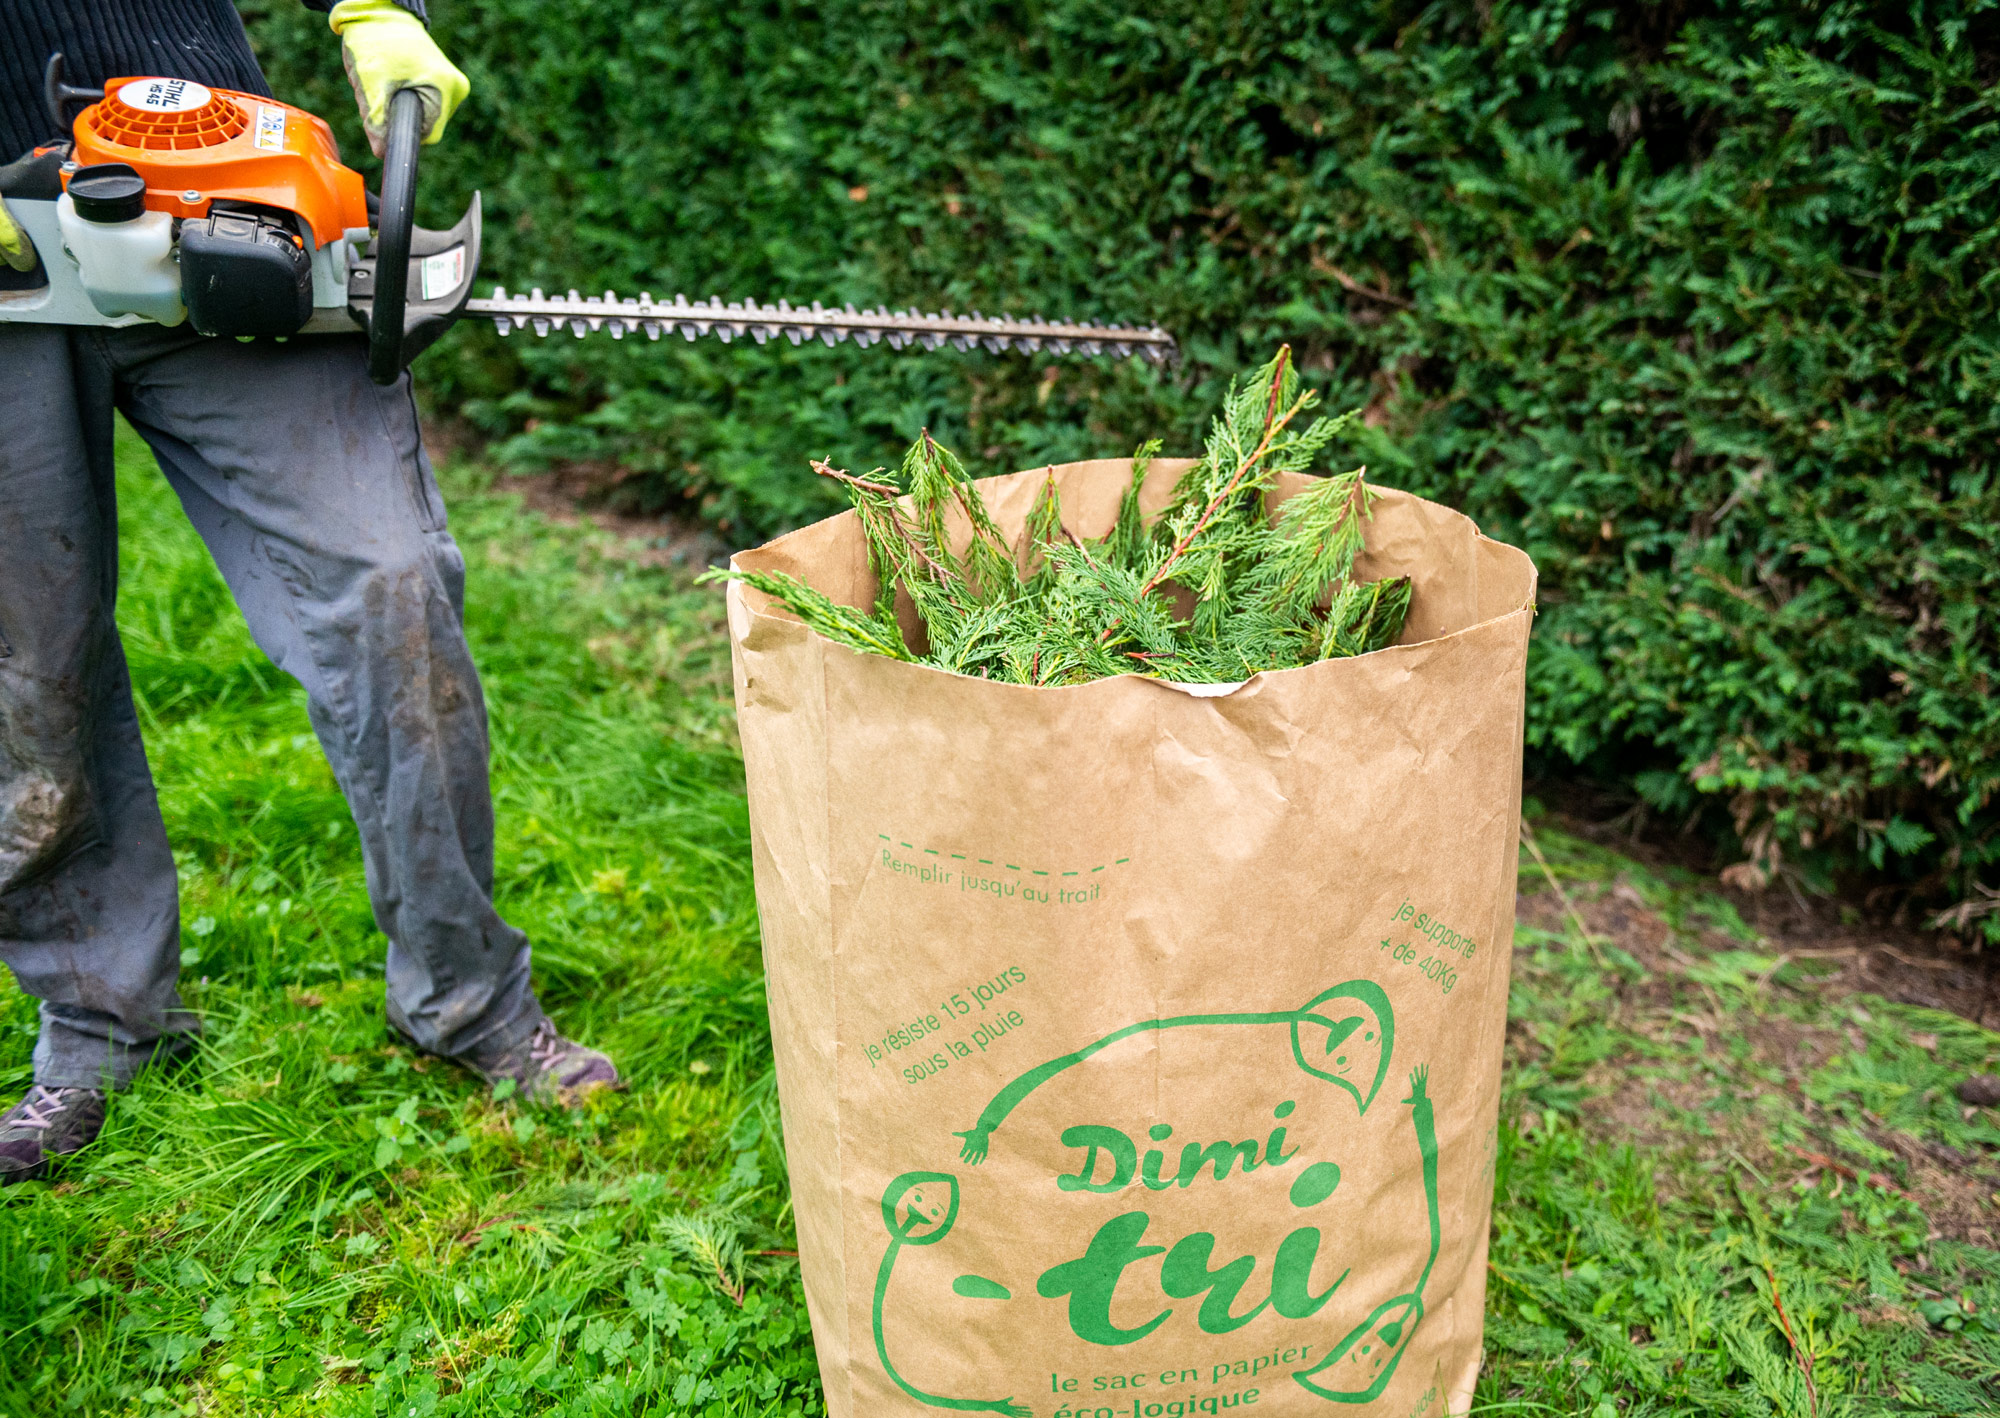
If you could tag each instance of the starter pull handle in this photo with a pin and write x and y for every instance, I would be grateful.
(58, 96)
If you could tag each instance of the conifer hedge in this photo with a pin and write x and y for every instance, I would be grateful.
(1695, 301)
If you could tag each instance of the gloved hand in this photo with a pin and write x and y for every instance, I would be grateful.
(386, 49)
(15, 248)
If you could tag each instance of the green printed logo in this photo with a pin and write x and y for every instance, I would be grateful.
(1133, 1274)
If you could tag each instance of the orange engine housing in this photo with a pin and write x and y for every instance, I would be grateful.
(193, 144)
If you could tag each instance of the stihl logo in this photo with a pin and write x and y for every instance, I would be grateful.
(163, 95)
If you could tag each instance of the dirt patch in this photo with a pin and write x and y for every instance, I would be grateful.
(587, 493)
(1925, 968)
(575, 494)
(1883, 951)
(1754, 1112)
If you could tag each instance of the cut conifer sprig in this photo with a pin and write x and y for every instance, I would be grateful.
(1054, 608)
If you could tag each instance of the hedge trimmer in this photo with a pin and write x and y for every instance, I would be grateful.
(174, 202)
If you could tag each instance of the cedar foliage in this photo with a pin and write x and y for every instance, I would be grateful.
(1694, 302)
(1053, 608)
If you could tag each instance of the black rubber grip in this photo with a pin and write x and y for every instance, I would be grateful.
(393, 225)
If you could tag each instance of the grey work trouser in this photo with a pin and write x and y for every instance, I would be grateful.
(311, 488)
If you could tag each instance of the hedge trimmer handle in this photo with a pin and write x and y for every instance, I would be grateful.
(394, 221)
(413, 282)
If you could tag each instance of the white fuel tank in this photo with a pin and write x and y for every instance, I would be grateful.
(126, 267)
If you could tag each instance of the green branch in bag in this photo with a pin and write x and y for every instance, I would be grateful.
(1056, 608)
(843, 625)
(1272, 425)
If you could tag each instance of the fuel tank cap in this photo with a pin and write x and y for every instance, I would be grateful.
(108, 192)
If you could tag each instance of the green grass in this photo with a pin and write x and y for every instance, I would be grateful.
(1664, 1242)
(311, 1220)
(308, 1220)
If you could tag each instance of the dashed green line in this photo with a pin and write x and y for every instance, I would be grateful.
(988, 861)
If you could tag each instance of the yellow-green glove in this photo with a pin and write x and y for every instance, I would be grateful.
(15, 248)
(387, 49)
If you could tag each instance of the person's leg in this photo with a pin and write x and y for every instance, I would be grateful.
(311, 488)
(89, 905)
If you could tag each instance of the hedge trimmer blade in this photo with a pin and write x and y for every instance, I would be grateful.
(899, 329)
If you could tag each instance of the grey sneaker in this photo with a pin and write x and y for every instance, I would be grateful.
(48, 1123)
(547, 1068)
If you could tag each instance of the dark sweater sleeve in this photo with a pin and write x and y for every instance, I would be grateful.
(415, 7)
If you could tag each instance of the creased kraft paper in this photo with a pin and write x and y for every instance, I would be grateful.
(1139, 1046)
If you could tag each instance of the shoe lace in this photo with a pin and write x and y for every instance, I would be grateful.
(41, 1108)
(546, 1047)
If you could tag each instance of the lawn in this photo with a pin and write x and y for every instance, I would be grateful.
(1733, 1179)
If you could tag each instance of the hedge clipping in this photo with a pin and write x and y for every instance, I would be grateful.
(1052, 608)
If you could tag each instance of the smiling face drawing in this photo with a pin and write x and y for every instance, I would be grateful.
(1346, 1036)
(919, 1207)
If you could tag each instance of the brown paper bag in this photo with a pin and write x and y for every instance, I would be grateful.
(1139, 1045)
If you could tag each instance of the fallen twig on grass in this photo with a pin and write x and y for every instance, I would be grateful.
(1784, 959)
(1799, 1356)
(472, 1237)
(1895, 954)
(1873, 1179)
